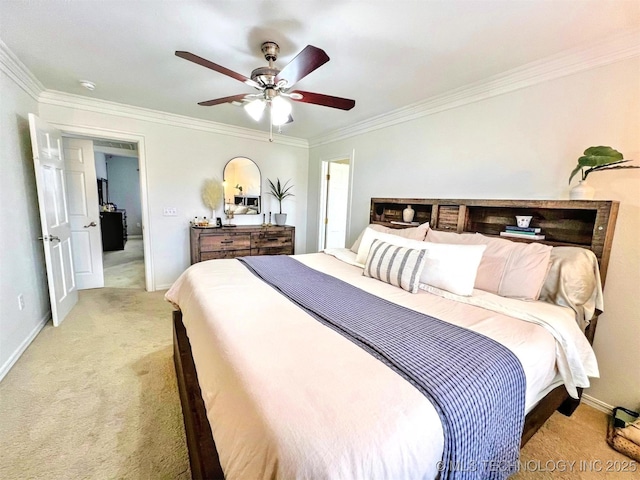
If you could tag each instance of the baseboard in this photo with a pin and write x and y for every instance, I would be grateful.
(597, 404)
(163, 287)
(4, 369)
(134, 237)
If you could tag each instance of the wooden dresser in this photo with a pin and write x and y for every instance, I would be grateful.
(114, 230)
(231, 242)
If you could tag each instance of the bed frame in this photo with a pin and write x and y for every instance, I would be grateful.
(587, 224)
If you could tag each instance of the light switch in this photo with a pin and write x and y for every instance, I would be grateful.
(170, 212)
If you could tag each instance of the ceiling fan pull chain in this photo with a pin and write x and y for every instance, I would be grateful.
(270, 123)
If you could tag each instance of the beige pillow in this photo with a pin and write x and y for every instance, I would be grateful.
(574, 281)
(371, 234)
(414, 233)
(510, 269)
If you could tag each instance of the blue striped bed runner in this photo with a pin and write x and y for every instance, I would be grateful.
(476, 385)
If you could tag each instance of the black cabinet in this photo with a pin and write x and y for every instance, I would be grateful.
(114, 230)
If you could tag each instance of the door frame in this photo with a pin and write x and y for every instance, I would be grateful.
(74, 130)
(322, 194)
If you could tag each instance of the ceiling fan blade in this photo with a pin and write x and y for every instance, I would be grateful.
(218, 101)
(325, 100)
(309, 59)
(218, 68)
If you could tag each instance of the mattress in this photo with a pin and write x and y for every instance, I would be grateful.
(287, 397)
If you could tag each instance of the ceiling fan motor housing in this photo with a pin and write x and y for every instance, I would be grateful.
(270, 51)
(265, 75)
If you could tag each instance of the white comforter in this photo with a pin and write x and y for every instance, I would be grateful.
(290, 398)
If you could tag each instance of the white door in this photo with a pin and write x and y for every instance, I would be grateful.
(84, 212)
(48, 161)
(337, 199)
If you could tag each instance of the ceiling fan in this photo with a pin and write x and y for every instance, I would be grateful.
(274, 84)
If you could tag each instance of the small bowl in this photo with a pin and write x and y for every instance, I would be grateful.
(523, 221)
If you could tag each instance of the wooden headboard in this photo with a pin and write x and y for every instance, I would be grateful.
(578, 223)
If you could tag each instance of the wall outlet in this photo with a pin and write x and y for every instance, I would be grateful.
(21, 302)
(170, 212)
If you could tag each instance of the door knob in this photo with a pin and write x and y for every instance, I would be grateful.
(92, 224)
(50, 238)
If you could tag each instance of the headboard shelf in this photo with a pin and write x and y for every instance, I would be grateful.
(582, 223)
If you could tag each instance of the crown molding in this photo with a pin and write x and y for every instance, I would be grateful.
(79, 102)
(19, 73)
(568, 62)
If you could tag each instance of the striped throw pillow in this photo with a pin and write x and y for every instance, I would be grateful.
(396, 265)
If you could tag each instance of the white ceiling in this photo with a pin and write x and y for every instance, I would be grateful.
(384, 54)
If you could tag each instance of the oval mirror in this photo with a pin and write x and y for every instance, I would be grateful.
(242, 186)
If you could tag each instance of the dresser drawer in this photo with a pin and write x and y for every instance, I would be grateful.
(224, 254)
(272, 251)
(230, 241)
(270, 240)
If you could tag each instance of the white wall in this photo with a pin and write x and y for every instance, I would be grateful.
(178, 160)
(101, 164)
(22, 268)
(521, 144)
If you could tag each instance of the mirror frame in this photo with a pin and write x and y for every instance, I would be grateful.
(259, 196)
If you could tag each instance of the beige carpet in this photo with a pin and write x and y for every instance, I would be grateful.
(96, 399)
(125, 268)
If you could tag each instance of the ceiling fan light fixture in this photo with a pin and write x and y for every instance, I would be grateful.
(255, 109)
(280, 111)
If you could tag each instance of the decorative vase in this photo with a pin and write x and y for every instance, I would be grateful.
(281, 218)
(582, 191)
(407, 214)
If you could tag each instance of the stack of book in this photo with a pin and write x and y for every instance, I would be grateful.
(532, 233)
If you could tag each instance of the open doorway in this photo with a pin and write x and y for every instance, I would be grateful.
(105, 192)
(335, 198)
(118, 180)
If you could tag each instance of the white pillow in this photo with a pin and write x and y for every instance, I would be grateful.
(452, 267)
(449, 267)
(370, 235)
(509, 269)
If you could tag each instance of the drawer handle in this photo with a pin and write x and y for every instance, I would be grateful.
(227, 241)
(271, 239)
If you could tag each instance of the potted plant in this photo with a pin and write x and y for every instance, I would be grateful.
(595, 159)
(280, 192)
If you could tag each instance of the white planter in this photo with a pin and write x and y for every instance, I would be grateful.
(582, 191)
(280, 218)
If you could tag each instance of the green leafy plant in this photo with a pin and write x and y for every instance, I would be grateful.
(239, 187)
(280, 191)
(599, 159)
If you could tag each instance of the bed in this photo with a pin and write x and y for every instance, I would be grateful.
(287, 397)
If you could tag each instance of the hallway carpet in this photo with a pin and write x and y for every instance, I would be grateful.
(125, 268)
